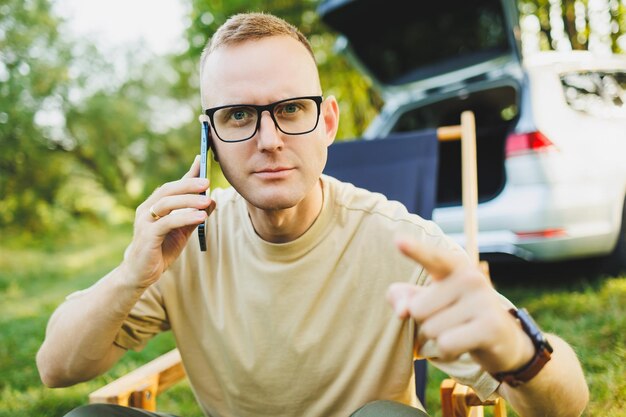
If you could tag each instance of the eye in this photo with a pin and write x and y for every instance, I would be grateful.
(239, 115)
(290, 108)
(235, 115)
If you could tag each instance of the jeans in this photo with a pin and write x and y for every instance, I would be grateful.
(374, 409)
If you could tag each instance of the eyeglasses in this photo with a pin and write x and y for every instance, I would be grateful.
(239, 122)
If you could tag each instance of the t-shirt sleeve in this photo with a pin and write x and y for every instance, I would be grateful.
(147, 318)
(468, 372)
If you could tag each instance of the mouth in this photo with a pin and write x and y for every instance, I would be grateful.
(273, 172)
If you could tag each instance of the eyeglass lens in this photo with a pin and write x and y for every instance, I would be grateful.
(294, 117)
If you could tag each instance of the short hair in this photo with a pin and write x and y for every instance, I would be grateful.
(252, 26)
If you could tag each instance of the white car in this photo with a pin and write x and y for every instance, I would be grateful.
(551, 128)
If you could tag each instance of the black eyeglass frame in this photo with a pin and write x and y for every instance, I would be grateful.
(270, 108)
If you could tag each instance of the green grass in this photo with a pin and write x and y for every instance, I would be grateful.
(35, 275)
(590, 314)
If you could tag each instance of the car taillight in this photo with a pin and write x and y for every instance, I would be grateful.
(545, 234)
(524, 143)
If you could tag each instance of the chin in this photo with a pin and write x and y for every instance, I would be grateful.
(272, 204)
(274, 199)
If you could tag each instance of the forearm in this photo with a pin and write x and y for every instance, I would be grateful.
(79, 337)
(558, 390)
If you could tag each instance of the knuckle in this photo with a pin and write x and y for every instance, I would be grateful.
(427, 330)
(416, 312)
(475, 278)
(447, 350)
(166, 187)
(140, 209)
(201, 201)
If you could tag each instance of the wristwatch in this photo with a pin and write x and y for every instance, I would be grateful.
(543, 351)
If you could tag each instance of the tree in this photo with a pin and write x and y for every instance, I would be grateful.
(595, 25)
(33, 79)
(77, 140)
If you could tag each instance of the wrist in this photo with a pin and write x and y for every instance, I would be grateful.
(531, 364)
(525, 350)
(127, 279)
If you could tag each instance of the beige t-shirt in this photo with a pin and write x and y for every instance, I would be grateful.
(295, 329)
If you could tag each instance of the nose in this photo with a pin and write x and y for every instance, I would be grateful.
(269, 138)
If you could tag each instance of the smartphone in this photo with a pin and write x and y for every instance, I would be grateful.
(205, 171)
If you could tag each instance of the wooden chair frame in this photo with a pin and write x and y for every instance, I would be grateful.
(458, 400)
(141, 387)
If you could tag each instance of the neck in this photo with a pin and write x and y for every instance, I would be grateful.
(285, 225)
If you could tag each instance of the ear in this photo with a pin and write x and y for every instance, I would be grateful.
(330, 116)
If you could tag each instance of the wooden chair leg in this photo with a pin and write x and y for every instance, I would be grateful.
(458, 400)
(144, 398)
(445, 391)
(500, 408)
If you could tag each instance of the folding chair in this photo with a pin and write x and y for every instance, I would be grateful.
(404, 168)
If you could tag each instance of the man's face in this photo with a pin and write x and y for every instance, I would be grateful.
(272, 170)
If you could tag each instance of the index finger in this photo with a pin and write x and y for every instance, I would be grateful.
(438, 262)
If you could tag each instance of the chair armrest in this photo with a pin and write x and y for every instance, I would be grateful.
(458, 400)
(140, 387)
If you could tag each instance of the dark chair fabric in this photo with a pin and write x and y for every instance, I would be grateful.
(403, 167)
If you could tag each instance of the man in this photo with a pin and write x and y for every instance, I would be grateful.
(285, 314)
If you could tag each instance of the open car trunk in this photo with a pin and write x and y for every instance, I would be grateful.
(448, 56)
(496, 111)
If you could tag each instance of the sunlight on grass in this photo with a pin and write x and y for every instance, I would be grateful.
(592, 318)
(32, 281)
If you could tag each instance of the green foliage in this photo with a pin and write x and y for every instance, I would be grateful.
(80, 138)
(576, 17)
(113, 141)
(33, 75)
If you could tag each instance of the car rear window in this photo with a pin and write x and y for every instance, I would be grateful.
(597, 93)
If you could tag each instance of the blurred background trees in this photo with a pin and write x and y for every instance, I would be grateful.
(595, 25)
(80, 140)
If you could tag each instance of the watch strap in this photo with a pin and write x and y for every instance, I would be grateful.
(527, 372)
(543, 352)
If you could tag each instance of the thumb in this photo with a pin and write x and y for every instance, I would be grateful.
(398, 295)
(438, 262)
